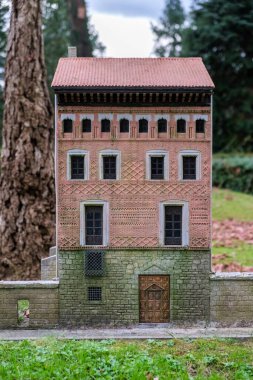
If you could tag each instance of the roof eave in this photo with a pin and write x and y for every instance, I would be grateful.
(129, 89)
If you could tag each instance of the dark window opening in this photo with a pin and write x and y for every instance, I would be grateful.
(162, 125)
(94, 263)
(94, 293)
(157, 167)
(23, 307)
(181, 126)
(124, 126)
(173, 225)
(67, 126)
(86, 125)
(77, 167)
(109, 167)
(143, 126)
(200, 126)
(94, 225)
(105, 125)
(189, 167)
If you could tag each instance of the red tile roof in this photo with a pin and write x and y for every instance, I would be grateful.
(131, 72)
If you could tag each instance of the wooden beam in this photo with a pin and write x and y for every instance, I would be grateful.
(84, 97)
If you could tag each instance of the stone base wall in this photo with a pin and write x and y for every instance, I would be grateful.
(43, 299)
(189, 286)
(231, 299)
(48, 268)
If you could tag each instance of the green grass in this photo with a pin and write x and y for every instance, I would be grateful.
(142, 360)
(242, 254)
(229, 204)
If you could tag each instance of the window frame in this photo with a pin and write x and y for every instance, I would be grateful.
(66, 116)
(160, 119)
(189, 153)
(110, 152)
(105, 206)
(185, 222)
(204, 121)
(108, 116)
(78, 152)
(157, 153)
(125, 119)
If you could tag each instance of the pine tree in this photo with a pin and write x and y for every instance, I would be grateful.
(27, 201)
(168, 32)
(221, 31)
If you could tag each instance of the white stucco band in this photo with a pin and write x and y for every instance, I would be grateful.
(127, 116)
(139, 117)
(105, 205)
(185, 220)
(70, 116)
(87, 116)
(200, 116)
(102, 116)
(162, 116)
(182, 116)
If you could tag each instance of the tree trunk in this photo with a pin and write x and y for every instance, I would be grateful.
(80, 36)
(27, 199)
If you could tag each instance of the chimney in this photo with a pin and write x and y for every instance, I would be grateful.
(72, 51)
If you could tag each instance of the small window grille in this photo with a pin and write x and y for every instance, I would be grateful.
(77, 167)
(181, 126)
(67, 125)
(124, 126)
(189, 167)
(173, 225)
(86, 125)
(143, 126)
(105, 125)
(200, 126)
(94, 263)
(162, 125)
(94, 293)
(157, 167)
(109, 167)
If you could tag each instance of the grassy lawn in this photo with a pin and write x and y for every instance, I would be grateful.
(229, 204)
(242, 254)
(117, 360)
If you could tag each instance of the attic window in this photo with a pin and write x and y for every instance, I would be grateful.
(124, 126)
(143, 126)
(67, 125)
(162, 125)
(105, 125)
(181, 126)
(200, 126)
(86, 125)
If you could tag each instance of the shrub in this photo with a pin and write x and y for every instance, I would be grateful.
(234, 173)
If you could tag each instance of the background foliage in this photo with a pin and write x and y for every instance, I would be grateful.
(220, 31)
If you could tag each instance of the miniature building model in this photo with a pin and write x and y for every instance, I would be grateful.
(133, 167)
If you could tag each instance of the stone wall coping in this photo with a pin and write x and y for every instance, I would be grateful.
(29, 284)
(49, 258)
(238, 276)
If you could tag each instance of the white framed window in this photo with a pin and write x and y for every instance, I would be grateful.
(94, 223)
(157, 165)
(174, 223)
(77, 165)
(189, 165)
(110, 164)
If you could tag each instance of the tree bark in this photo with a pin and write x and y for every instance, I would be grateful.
(27, 198)
(80, 36)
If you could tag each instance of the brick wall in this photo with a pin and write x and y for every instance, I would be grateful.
(232, 299)
(189, 276)
(43, 299)
(133, 200)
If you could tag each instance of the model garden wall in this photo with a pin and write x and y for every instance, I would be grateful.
(232, 299)
(43, 303)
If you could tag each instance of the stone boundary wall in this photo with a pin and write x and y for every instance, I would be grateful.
(48, 268)
(43, 297)
(231, 299)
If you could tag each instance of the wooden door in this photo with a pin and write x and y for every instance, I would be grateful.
(154, 298)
